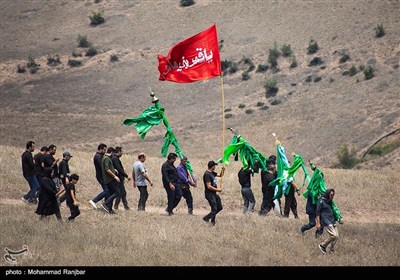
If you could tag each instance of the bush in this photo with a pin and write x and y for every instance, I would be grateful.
(260, 104)
(273, 55)
(20, 69)
(293, 62)
(249, 111)
(379, 31)
(32, 65)
(384, 149)
(270, 86)
(249, 62)
(286, 50)
(114, 58)
(186, 3)
(352, 71)
(276, 101)
(312, 47)
(241, 106)
(74, 63)
(82, 41)
(261, 68)
(315, 61)
(368, 73)
(245, 76)
(53, 61)
(347, 157)
(344, 58)
(91, 52)
(96, 18)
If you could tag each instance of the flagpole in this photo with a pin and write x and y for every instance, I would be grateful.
(223, 119)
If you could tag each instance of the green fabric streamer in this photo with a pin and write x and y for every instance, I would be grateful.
(151, 116)
(247, 154)
(317, 187)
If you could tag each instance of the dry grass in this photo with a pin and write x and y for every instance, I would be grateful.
(369, 236)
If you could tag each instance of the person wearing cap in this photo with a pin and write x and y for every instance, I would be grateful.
(64, 173)
(211, 189)
(187, 179)
(171, 183)
(140, 178)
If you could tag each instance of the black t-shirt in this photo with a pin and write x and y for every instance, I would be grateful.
(169, 174)
(267, 178)
(97, 165)
(28, 166)
(48, 161)
(244, 177)
(209, 177)
(63, 169)
(39, 158)
(68, 196)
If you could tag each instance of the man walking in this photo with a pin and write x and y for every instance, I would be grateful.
(28, 171)
(121, 175)
(187, 179)
(97, 159)
(111, 179)
(140, 179)
(171, 183)
(326, 218)
(211, 188)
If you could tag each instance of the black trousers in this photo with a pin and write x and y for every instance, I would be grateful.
(290, 203)
(144, 194)
(216, 206)
(74, 211)
(174, 197)
(187, 194)
(114, 193)
(122, 195)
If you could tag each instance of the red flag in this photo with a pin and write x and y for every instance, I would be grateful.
(196, 58)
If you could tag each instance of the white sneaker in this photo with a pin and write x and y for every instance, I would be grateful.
(93, 204)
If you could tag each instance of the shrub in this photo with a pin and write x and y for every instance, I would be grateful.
(384, 149)
(347, 157)
(249, 111)
(186, 3)
(315, 61)
(249, 62)
(317, 79)
(74, 63)
(352, 71)
(293, 62)
(241, 106)
(228, 110)
(368, 73)
(82, 41)
(245, 76)
(379, 31)
(91, 52)
(344, 58)
(276, 101)
(270, 86)
(261, 68)
(32, 65)
(114, 58)
(229, 115)
(286, 50)
(312, 47)
(20, 69)
(96, 18)
(259, 104)
(273, 55)
(53, 61)
(220, 44)
(233, 68)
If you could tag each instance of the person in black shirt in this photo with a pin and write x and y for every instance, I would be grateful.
(98, 157)
(210, 191)
(248, 197)
(71, 200)
(122, 175)
(64, 173)
(171, 182)
(39, 163)
(267, 191)
(28, 171)
(50, 161)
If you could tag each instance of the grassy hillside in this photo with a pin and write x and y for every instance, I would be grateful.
(368, 237)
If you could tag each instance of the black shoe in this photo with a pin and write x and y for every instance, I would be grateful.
(322, 248)
(213, 223)
(190, 211)
(116, 207)
(296, 216)
(105, 208)
(205, 219)
(113, 212)
(170, 213)
(126, 207)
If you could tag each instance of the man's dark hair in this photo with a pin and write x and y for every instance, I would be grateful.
(101, 146)
(118, 149)
(74, 176)
(172, 156)
(44, 149)
(110, 150)
(52, 146)
(29, 144)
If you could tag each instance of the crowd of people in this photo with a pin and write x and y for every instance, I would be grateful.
(50, 183)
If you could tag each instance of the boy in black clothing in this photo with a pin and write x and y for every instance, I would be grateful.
(72, 202)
